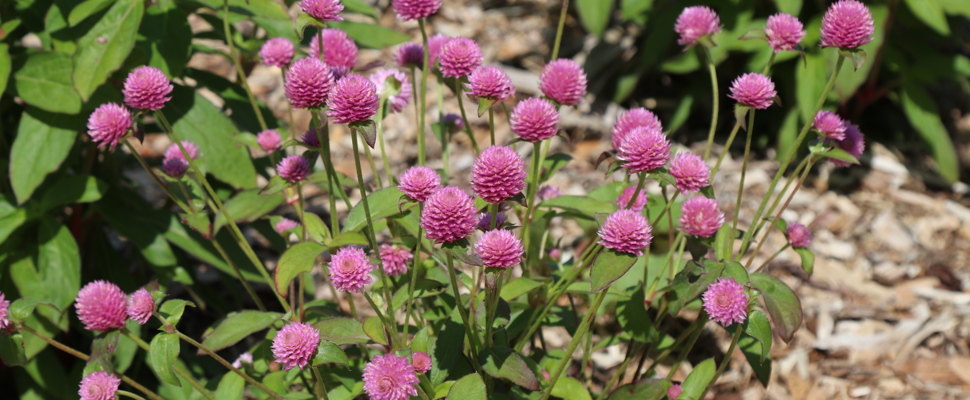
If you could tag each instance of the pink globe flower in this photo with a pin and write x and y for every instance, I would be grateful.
(4, 312)
(174, 151)
(490, 82)
(415, 9)
(421, 362)
(339, 51)
(725, 302)
(146, 88)
(624, 199)
(499, 249)
(311, 139)
(626, 231)
(563, 81)
(350, 270)
(459, 57)
(798, 235)
(308, 82)
(175, 167)
(700, 216)
(108, 124)
(294, 168)
(695, 23)
(435, 44)
(753, 90)
(634, 118)
(268, 140)
(497, 174)
(853, 143)
(644, 149)
(452, 122)
(830, 125)
(101, 306)
(99, 385)
(784, 32)
(295, 345)
(485, 221)
(286, 224)
(548, 192)
(140, 306)
(390, 377)
(690, 172)
(396, 102)
(395, 259)
(277, 52)
(353, 99)
(449, 215)
(534, 119)
(409, 55)
(419, 182)
(244, 358)
(674, 391)
(847, 24)
(323, 10)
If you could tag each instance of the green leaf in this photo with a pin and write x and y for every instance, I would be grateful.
(570, 389)
(518, 287)
(70, 189)
(275, 185)
(199, 222)
(838, 154)
(328, 352)
(248, 206)
(43, 141)
(723, 242)
(237, 326)
(696, 383)
(44, 76)
(11, 218)
(304, 20)
(808, 259)
(59, 263)
(344, 239)
(609, 266)
(755, 343)
(103, 49)
(86, 9)
(342, 330)
(581, 204)
(632, 316)
(553, 164)
(371, 36)
(422, 288)
(502, 362)
(383, 203)
(644, 389)
(469, 387)
(231, 386)
(594, 14)
(931, 13)
(375, 330)
(483, 105)
(162, 353)
(172, 310)
(793, 7)
(442, 390)
(5, 63)
(857, 56)
(268, 14)
(463, 251)
(12, 351)
(782, 304)
(296, 260)
(319, 231)
(166, 38)
(809, 84)
(924, 116)
(360, 7)
(22, 308)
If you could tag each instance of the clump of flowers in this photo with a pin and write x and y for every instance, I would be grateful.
(390, 377)
(147, 88)
(490, 82)
(353, 99)
(419, 182)
(395, 259)
(644, 149)
(626, 231)
(499, 248)
(350, 269)
(696, 23)
(308, 82)
(563, 81)
(108, 124)
(323, 10)
(294, 168)
(339, 51)
(449, 215)
(498, 173)
(295, 345)
(414, 9)
(726, 302)
(847, 24)
(277, 52)
(753, 90)
(459, 57)
(701, 216)
(99, 385)
(690, 172)
(268, 140)
(784, 32)
(141, 305)
(534, 119)
(633, 118)
(101, 306)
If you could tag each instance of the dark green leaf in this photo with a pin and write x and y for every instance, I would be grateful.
(447, 348)
(12, 351)
(22, 308)
(755, 343)
(328, 352)
(462, 250)
(248, 206)
(518, 287)
(303, 20)
(808, 260)
(632, 316)
(375, 330)
(43, 141)
(231, 386)
(484, 104)
(162, 353)
(344, 239)
(11, 217)
(70, 189)
(931, 13)
(106, 45)
(342, 330)
(644, 389)
(275, 185)
(924, 116)
(86, 9)
(552, 164)
(5, 63)
(44, 76)
(502, 362)
(723, 242)
(469, 387)
(594, 14)
(383, 203)
(422, 288)
(236, 327)
(319, 231)
(696, 383)
(782, 304)
(166, 38)
(296, 260)
(360, 7)
(172, 310)
(59, 264)
(581, 204)
(199, 222)
(371, 36)
(570, 389)
(609, 266)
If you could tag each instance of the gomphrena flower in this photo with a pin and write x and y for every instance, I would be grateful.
(435, 44)
(339, 51)
(453, 122)
(108, 124)
(634, 118)
(830, 125)
(459, 57)
(286, 224)
(700, 216)
(449, 215)
(695, 23)
(390, 377)
(784, 32)
(624, 199)
(690, 172)
(350, 269)
(853, 143)
(798, 235)
(4, 312)
(485, 221)
(490, 82)
(396, 102)
(269, 140)
(414, 9)
(534, 119)
(547, 192)
(277, 52)
(499, 248)
(146, 88)
(421, 362)
(294, 168)
(498, 173)
(644, 149)
(409, 55)
(310, 138)
(323, 10)
(244, 358)
(175, 167)
(174, 151)
(308, 82)
(626, 231)
(674, 391)
(726, 302)
(563, 81)
(419, 182)
(395, 259)
(753, 90)
(295, 345)
(99, 385)
(140, 306)
(101, 306)
(847, 24)
(353, 99)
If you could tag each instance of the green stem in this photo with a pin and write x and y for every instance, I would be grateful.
(301, 208)
(391, 330)
(423, 89)
(331, 176)
(371, 232)
(771, 61)
(801, 180)
(559, 29)
(469, 331)
(239, 275)
(380, 138)
(531, 203)
(580, 332)
(727, 149)
(774, 204)
(414, 277)
(238, 65)
(126, 393)
(772, 258)
(716, 98)
(491, 125)
(690, 345)
(744, 171)
(464, 117)
(178, 370)
(155, 177)
(228, 365)
(445, 133)
(318, 388)
(727, 358)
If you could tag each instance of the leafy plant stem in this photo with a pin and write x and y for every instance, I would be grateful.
(744, 170)
(697, 325)
(414, 277)
(239, 69)
(128, 394)
(727, 149)
(784, 189)
(531, 204)
(391, 330)
(801, 180)
(380, 139)
(727, 358)
(318, 387)
(559, 29)
(331, 176)
(580, 332)
(235, 268)
(491, 124)
(464, 117)
(155, 177)
(228, 365)
(423, 89)
(700, 321)
(178, 370)
(771, 60)
(301, 208)
(469, 331)
(715, 96)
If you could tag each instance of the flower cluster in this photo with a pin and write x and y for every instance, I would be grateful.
(295, 345)
(350, 269)
(102, 306)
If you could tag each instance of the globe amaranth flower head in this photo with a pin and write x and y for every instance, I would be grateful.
(295, 345)
(490, 82)
(644, 149)
(847, 24)
(108, 124)
(725, 302)
(563, 81)
(140, 306)
(830, 125)
(626, 231)
(323, 10)
(99, 385)
(633, 118)
(449, 215)
(784, 32)
(753, 90)
(695, 23)
(435, 44)
(485, 221)
(421, 362)
(350, 269)
(4, 312)
(308, 82)
(294, 168)
(534, 119)
(390, 377)
(674, 391)
(415, 9)
(498, 173)
(419, 182)
(690, 172)
(269, 140)
(459, 57)
(700, 216)
(353, 99)
(101, 306)
(146, 88)
(798, 235)
(175, 167)
(853, 143)
(395, 259)
(452, 122)
(277, 52)
(286, 224)
(310, 137)
(624, 199)
(244, 358)
(339, 51)
(174, 151)
(548, 192)
(398, 101)
(499, 248)
(410, 54)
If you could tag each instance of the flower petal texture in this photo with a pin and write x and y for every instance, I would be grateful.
(853, 143)
(4, 312)
(459, 57)
(350, 269)
(690, 172)
(435, 44)
(108, 124)
(784, 32)
(99, 385)
(294, 168)
(308, 82)
(490, 82)
(339, 51)
(644, 149)
(353, 99)
(323, 10)
(626, 231)
(174, 151)
(140, 306)
(534, 119)
(548, 192)
(498, 173)
(499, 248)
(396, 102)
(390, 377)
(701, 216)
(175, 167)
(633, 118)
(295, 345)
(696, 22)
(286, 224)
(269, 140)
(725, 302)
(408, 10)
(395, 259)
(830, 125)
(449, 215)
(624, 199)
(101, 306)
(419, 182)
(847, 24)
(798, 235)
(277, 52)
(147, 88)
(563, 81)
(409, 55)
(421, 362)
(753, 90)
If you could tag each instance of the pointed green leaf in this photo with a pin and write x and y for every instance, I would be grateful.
(12, 351)
(231, 386)
(857, 56)
(469, 387)
(328, 352)
(236, 327)
(755, 343)
(86, 9)
(360, 7)
(44, 76)
(519, 286)
(594, 14)
(104, 47)
(248, 206)
(162, 353)
(581, 204)
(72, 189)
(375, 330)
(172, 310)
(275, 185)
(502, 362)
(808, 260)
(696, 383)
(931, 13)
(370, 35)
(924, 116)
(341, 330)
(644, 389)
(609, 266)
(782, 304)
(484, 104)
(462, 250)
(296, 260)
(383, 203)
(43, 142)
(570, 389)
